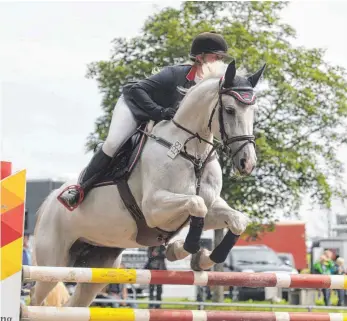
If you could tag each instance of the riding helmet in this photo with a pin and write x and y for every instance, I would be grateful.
(209, 42)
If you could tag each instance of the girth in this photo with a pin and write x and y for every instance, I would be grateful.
(146, 235)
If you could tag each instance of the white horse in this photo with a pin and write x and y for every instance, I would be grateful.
(216, 113)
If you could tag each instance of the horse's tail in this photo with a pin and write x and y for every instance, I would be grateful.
(59, 295)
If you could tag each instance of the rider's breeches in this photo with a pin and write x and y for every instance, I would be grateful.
(123, 125)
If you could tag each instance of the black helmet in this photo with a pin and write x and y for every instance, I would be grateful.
(209, 42)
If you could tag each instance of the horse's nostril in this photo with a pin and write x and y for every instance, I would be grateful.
(243, 163)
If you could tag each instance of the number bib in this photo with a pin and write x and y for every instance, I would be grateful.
(174, 150)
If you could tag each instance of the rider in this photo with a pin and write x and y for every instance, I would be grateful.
(154, 98)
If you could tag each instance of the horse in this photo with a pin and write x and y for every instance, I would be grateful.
(172, 179)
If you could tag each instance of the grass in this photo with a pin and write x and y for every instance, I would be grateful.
(258, 307)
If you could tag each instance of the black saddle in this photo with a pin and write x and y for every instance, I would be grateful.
(124, 161)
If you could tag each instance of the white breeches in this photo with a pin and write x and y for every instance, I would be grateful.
(123, 125)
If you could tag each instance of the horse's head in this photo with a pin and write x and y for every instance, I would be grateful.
(236, 108)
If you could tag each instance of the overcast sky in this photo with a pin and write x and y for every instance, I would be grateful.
(48, 107)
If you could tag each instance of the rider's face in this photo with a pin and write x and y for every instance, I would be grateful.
(206, 58)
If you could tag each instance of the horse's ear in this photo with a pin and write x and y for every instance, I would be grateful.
(230, 75)
(256, 76)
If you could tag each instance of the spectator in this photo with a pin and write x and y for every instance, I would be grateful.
(119, 292)
(330, 255)
(203, 293)
(340, 270)
(26, 258)
(156, 261)
(103, 295)
(115, 292)
(325, 266)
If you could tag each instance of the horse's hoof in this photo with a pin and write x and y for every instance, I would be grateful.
(201, 260)
(170, 252)
(175, 251)
(195, 261)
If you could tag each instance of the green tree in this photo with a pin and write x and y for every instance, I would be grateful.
(302, 108)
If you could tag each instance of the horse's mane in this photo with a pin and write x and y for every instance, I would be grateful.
(212, 70)
(218, 68)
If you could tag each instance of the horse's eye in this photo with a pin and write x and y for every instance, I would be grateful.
(230, 110)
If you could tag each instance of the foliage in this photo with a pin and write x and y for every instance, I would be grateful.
(302, 105)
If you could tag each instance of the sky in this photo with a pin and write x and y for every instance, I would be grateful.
(48, 107)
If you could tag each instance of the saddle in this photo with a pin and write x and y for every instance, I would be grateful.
(118, 173)
(125, 159)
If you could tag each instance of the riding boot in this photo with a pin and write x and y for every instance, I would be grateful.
(72, 196)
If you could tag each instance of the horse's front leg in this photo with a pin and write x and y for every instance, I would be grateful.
(163, 204)
(219, 216)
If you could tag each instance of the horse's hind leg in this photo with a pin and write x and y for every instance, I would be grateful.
(101, 257)
(49, 251)
(51, 246)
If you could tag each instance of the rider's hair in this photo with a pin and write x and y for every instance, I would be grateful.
(197, 61)
(155, 70)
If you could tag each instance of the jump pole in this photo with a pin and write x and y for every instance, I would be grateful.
(12, 193)
(132, 276)
(108, 314)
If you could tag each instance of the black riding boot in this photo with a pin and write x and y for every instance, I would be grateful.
(72, 196)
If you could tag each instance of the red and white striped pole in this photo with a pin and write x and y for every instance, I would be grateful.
(132, 276)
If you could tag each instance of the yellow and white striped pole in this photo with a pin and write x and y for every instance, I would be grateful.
(123, 314)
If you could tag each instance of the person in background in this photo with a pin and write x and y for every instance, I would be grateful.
(115, 292)
(156, 261)
(119, 292)
(330, 256)
(325, 266)
(340, 270)
(26, 258)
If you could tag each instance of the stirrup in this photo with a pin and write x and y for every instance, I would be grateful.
(81, 197)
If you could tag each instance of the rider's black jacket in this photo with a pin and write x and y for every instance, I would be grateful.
(146, 98)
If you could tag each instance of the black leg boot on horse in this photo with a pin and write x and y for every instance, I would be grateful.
(72, 196)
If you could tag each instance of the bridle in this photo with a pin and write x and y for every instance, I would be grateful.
(245, 96)
(238, 93)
